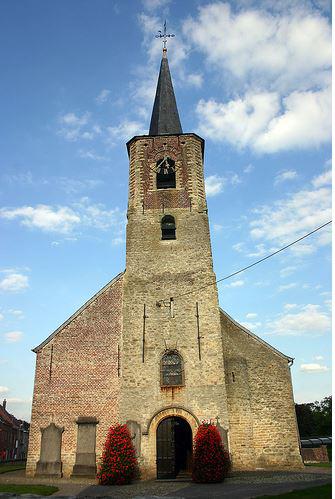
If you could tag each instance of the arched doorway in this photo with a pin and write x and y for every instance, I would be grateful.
(174, 447)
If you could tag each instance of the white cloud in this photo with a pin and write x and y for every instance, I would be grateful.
(287, 271)
(91, 155)
(251, 315)
(280, 50)
(268, 123)
(194, 79)
(235, 284)
(4, 389)
(102, 96)
(292, 217)
(75, 127)
(214, 185)
(318, 357)
(2, 317)
(14, 282)
(13, 336)
(248, 169)
(17, 313)
(290, 306)
(218, 227)
(309, 320)
(285, 175)
(278, 66)
(46, 218)
(323, 179)
(239, 247)
(285, 287)
(71, 119)
(313, 368)
(125, 131)
(66, 220)
(155, 4)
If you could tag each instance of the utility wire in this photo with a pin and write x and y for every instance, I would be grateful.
(253, 264)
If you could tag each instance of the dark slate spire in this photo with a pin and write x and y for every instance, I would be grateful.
(165, 117)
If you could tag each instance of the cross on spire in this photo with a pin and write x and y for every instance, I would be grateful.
(164, 35)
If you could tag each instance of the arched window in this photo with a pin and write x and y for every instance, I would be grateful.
(172, 369)
(166, 173)
(168, 227)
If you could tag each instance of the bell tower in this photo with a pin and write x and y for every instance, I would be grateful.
(171, 351)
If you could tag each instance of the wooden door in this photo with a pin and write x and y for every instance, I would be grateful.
(166, 449)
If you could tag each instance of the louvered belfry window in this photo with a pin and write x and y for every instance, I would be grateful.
(168, 226)
(166, 173)
(172, 369)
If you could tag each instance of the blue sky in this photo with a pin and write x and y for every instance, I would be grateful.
(78, 81)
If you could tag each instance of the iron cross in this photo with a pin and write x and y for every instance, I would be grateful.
(164, 35)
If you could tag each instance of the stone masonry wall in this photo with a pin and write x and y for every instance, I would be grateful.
(77, 375)
(157, 270)
(262, 422)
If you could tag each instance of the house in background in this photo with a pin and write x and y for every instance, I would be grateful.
(14, 435)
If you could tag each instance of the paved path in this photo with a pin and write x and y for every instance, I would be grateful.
(240, 485)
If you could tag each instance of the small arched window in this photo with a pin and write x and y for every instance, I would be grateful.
(166, 173)
(168, 226)
(172, 373)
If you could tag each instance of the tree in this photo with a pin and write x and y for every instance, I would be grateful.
(118, 465)
(314, 419)
(210, 460)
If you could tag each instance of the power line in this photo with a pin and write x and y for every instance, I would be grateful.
(254, 263)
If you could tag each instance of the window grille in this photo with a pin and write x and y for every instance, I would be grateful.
(172, 373)
(168, 226)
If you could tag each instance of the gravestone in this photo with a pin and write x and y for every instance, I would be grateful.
(85, 464)
(224, 436)
(50, 463)
(135, 433)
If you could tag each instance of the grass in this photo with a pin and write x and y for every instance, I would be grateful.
(319, 465)
(321, 492)
(41, 490)
(4, 468)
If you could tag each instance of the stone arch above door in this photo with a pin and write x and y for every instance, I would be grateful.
(168, 412)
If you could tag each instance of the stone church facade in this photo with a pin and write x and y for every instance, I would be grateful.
(152, 348)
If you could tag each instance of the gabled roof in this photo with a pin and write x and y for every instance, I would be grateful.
(73, 316)
(253, 335)
(165, 118)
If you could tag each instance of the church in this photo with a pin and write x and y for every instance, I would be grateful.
(153, 349)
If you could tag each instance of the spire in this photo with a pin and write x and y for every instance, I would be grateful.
(165, 117)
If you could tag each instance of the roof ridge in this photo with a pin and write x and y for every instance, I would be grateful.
(73, 316)
(253, 335)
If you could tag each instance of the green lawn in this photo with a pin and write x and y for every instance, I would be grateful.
(41, 490)
(4, 468)
(319, 465)
(321, 492)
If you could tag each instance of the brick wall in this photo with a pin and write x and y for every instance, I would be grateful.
(76, 375)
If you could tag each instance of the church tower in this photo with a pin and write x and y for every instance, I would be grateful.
(172, 359)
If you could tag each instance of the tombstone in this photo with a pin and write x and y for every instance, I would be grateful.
(85, 464)
(50, 463)
(135, 433)
(224, 436)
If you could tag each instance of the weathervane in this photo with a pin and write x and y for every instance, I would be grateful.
(164, 35)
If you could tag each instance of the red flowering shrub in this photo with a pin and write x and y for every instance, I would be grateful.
(118, 465)
(210, 460)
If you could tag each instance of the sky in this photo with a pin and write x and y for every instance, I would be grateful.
(78, 81)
